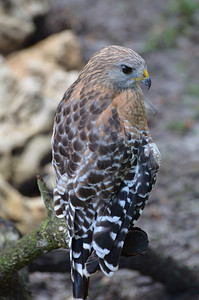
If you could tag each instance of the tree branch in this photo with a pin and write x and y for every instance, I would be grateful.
(177, 278)
(49, 235)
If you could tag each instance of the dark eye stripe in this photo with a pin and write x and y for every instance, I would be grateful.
(127, 70)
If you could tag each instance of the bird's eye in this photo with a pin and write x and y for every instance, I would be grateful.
(127, 70)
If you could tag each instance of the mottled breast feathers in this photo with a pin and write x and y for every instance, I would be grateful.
(90, 150)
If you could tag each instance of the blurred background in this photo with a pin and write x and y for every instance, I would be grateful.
(43, 45)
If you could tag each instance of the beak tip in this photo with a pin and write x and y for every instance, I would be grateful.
(147, 82)
(149, 85)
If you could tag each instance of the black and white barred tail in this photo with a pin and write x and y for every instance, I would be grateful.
(100, 247)
(80, 250)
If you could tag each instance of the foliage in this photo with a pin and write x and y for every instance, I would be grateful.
(178, 20)
(180, 126)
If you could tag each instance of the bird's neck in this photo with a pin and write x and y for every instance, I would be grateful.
(131, 109)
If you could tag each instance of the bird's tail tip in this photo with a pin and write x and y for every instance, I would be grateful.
(80, 286)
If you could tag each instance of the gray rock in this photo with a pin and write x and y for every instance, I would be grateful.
(28, 164)
(33, 84)
(23, 9)
(27, 213)
(7, 88)
(13, 32)
(59, 51)
(17, 22)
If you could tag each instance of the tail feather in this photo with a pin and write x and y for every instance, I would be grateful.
(80, 286)
(92, 264)
(80, 250)
(100, 247)
(110, 230)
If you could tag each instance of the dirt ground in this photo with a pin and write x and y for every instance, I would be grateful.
(171, 216)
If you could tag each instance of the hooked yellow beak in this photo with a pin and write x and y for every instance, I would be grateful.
(146, 79)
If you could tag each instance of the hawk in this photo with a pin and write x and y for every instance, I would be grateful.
(105, 160)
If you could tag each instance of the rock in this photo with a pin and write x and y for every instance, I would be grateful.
(64, 48)
(33, 82)
(8, 233)
(26, 212)
(13, 33)
(32, 87)
(28, 164)
(31, 8)
(29, 113)
(11, 205)
(7, 88)
(59, 51)
(57, 83)
(17, 24)
(24, 118)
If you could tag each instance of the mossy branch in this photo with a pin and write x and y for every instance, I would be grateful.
(49, 235)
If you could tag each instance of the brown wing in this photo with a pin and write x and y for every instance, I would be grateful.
(90, 155)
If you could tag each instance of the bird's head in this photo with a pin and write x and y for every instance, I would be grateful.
(119, 67)
(126, 75)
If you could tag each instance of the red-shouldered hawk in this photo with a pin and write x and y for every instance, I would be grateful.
(104, 159)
